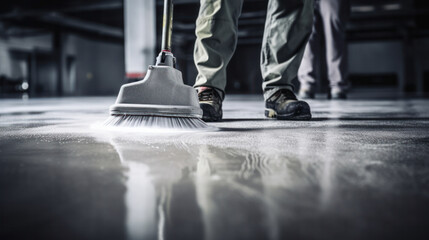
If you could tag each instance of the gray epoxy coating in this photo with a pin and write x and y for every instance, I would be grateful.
(359, 170)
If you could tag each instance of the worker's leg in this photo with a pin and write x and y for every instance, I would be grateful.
(335, 15)
(216, 31)
(287, 29)
(308, 70)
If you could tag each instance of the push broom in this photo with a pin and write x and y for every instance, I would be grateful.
(161, 99)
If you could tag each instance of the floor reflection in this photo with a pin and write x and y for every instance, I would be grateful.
(197, 191)
(177, 191)
(160, 197)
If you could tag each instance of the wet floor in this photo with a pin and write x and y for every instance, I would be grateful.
(359, 170)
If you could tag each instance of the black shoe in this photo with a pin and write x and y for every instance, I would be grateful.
(283, 105)
(211, 104)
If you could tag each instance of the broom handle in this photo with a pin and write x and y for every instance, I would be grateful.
(167, 25)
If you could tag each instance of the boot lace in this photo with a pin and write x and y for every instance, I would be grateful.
(206, 95)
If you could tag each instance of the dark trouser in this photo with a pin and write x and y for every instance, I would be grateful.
(330, 19)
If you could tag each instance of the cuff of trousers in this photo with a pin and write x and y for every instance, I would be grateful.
(270, 91)
(220, 92)
(310, 88)
(337, 89)
(344, 87)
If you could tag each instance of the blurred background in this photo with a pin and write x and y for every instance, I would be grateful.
(51, 48)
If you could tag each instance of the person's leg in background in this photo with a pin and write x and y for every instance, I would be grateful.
(307, 73)
(334, 15)
(287, 29)
(216, 31)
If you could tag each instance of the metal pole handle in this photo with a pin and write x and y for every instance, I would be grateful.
(167, 25)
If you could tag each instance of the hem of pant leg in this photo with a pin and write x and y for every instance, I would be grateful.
(306, 87)
(268, 92)
(343, 88)
(218, 90)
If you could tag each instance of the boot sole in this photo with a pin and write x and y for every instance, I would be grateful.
(210, 114)
(271, 113)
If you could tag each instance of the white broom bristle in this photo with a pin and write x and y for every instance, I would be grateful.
(136, 121)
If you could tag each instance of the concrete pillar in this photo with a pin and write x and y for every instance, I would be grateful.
(5, 63)
(140, 37)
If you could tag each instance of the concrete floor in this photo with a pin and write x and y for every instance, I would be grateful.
(358, 170)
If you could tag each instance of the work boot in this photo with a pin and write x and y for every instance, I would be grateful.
(284, 105)
(210, 103)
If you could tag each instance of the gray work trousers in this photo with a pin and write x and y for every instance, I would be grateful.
(287, 29)
(330, 20)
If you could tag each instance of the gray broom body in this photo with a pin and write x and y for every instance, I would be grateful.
(161, 99)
